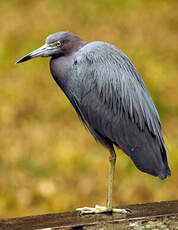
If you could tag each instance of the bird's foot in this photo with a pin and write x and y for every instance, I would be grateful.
(101, 209)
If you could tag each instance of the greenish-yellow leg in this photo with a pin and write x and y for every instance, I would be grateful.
(108, 208)
(112, 160)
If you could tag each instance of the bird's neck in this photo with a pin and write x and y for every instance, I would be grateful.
(61, 66)
(79, 45)
(74, 47)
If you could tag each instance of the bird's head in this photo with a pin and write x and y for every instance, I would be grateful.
(56, 45)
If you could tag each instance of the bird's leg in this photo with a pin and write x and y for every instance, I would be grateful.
(108, 208)
(112, 160)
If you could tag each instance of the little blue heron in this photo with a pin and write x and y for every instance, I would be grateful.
(112, 101)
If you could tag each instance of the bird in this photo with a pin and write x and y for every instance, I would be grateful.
(111, 100)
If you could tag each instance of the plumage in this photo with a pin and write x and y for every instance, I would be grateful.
(112, 101)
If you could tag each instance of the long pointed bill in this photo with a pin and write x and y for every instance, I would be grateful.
(43, 51)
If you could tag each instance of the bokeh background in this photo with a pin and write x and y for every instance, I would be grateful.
(48, 161)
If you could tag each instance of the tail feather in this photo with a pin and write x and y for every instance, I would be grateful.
(145, 149)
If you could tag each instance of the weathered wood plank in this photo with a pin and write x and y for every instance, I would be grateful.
(159, 215)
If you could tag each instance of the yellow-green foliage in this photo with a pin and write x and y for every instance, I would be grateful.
(48, 161)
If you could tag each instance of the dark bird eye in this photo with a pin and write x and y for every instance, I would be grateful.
(58, 43)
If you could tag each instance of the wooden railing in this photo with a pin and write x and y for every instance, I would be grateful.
(159, 215)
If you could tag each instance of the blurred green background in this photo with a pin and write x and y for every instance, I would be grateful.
(48, 161)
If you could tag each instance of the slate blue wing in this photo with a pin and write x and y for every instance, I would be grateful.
(116, 107)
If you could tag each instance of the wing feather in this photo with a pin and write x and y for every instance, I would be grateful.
(118, 108)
